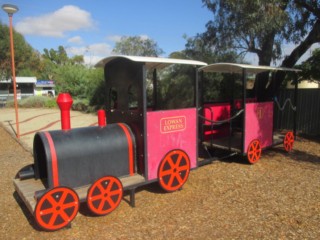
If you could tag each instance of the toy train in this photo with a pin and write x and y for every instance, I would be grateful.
(152, 135)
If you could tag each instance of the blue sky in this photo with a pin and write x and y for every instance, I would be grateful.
(91, 28)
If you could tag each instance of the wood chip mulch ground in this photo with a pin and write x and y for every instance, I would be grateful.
(277, 198)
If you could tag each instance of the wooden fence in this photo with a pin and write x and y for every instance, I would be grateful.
(308, 111)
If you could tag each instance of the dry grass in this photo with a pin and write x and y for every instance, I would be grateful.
(277, 198)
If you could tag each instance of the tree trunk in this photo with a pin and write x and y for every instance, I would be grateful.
(291, 60)
(265, 57)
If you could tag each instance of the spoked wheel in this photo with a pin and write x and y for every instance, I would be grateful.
(56, 208)
(254, 151)
(104, 195)
(288, 141)
(174, 170)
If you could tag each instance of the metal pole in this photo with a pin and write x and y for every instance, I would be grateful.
(14, 76)
(244, 97)
(155, 90)
(295, 104)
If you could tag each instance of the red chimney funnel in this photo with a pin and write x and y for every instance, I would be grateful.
(65, 101)
(102, 118)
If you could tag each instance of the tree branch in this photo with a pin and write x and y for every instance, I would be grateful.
(302, 3)
(313, 37)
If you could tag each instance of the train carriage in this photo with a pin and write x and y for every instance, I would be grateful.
(235, 118)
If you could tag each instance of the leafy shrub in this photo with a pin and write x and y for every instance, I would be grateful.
(34, 102)
(51, 103)
(80, 105)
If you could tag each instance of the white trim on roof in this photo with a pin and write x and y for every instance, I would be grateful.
(237, 68)
(26, 79)
(22, 80)
(152, 62)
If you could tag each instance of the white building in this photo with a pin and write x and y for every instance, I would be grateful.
(26, 86)
(304, 84)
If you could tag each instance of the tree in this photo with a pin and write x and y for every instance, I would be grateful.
(96, 93)
(201, 50)
(262, 27)
(310, 67)
(53, 59)
(72, 79)
(137, 46)
(26, 58)
(58, 57)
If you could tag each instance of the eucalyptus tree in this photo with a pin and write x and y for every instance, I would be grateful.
(310, 67)
(137, 46)
(262, 27)
(26, 58)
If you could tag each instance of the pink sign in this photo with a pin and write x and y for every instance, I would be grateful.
(173, 124)
(169, 130)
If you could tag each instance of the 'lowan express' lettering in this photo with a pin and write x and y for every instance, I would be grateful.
(172, 124)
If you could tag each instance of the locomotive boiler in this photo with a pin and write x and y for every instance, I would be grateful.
(74, 159)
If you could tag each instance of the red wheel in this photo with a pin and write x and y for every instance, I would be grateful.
(56, 208)
(254, 151)
(288, 141)
(174, 170)
(105, 195)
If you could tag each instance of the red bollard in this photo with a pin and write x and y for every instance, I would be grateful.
(102, 118)
(65, 101)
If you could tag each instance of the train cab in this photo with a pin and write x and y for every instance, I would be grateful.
(156, 97)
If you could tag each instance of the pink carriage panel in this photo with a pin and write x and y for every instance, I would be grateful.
(169, 130)
(259, 124)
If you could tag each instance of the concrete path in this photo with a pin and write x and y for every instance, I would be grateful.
(32, 120)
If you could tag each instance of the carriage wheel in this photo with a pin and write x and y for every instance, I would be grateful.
(56, 208)
(104, 195)
(174, 170)
(288, 141)
(254, 151)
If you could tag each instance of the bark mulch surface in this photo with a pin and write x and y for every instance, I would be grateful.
(277, 198)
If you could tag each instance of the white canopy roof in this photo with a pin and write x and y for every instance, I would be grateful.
(152, 62)
(237, 68)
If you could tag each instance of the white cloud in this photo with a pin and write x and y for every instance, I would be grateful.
(91, 53)
(117, 38)
(92, 60)
(75, 40)
(114, 38)
(144, 37)
(76, 50)
(55, 24)
(101, 49)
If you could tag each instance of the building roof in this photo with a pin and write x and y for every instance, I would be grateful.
(21, 80)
